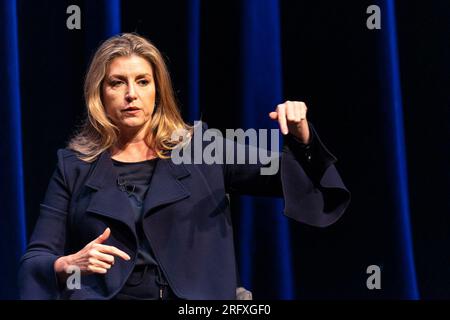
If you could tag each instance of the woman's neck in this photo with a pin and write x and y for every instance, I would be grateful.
(133, 149)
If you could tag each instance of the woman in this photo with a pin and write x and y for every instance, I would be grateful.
(135, 224)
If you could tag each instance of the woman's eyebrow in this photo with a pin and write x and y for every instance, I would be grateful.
(143, 75)
(122, 77)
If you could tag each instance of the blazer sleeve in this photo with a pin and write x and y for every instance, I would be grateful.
(307, 179)
(37, 278)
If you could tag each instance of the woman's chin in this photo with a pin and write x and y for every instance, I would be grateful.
(129, 124)
(132, 122)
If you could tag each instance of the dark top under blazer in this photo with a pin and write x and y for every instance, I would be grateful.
(187, 219)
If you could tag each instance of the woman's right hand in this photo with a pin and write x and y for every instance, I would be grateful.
(95, 257)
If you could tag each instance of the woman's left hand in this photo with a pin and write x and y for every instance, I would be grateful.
(291, 117)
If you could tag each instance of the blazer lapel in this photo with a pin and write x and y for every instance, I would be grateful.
(108, 200)
(165, 186)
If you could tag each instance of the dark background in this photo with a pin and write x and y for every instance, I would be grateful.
(331, 61)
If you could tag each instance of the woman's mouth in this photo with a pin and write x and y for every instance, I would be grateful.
(131, 110)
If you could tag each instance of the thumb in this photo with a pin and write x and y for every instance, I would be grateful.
(273, 115)
(105, 235)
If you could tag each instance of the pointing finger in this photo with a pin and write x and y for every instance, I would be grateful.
(113, 250)
(282, 118)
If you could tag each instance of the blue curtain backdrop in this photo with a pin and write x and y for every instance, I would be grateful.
(396, 147)
(261, 220)
(231, 64)
(12, 201)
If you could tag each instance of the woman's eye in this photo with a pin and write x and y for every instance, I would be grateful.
(143, 82)
(115, 83)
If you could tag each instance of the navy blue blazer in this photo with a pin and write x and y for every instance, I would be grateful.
(187, 218)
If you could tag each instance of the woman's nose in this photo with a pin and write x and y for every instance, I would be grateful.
(131, 93)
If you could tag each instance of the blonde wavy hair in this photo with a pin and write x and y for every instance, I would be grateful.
(98, 133)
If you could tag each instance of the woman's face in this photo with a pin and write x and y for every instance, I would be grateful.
(128, 92)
